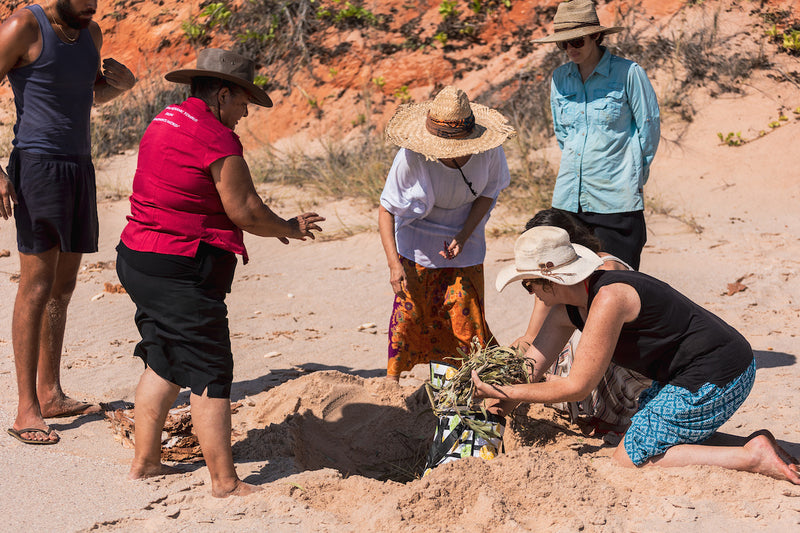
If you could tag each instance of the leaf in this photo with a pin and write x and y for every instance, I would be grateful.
(735, 287)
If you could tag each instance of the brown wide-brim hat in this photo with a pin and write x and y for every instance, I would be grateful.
(576, 18)
(448, 127)
(226, 65)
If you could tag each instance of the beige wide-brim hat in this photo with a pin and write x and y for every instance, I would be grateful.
(449, 126)
(545, 252)
(226, 65)
(576, 18)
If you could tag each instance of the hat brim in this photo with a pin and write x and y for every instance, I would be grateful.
(257, 95)
(407, 129)
(571, 274)
(568, 35)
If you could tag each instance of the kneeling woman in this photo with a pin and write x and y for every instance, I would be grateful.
(702, 368)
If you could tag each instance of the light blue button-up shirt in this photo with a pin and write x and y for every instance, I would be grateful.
(608, 129)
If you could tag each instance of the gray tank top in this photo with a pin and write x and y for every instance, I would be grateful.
(54, 94)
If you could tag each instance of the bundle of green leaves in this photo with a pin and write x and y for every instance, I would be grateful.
(495, 365)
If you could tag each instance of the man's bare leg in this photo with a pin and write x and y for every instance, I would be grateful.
(154, 397)
(52, 399)
(759, 455)
(37, 274)
(211, 418)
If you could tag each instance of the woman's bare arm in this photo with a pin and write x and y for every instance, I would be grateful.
(397, 276)
(245, 208)
(612, 307)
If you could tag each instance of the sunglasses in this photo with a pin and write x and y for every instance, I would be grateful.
(574, 43)
(528, 284)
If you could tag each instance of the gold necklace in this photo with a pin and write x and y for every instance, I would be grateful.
(64, 33)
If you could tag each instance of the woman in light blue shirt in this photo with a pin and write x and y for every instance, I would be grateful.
(607, 124)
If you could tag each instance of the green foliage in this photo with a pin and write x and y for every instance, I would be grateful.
(217, 14)
(352, 14)
(791, 41)
(402, 94)
(774, 124)
(441, 37)
(482, 6)
(262, 37)
(731, 139)
(773, 31)
(197, 31)
(194, 32)
(379, 82)
(447, 9)
(260, 80)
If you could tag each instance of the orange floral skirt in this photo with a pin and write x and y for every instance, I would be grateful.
(441, 311)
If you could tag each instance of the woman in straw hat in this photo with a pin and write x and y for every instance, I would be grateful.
(702, 369)
(193, 196)
(442, 185)
(607, 124)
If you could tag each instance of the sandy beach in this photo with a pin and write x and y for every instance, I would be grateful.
(337, 449)
(326, 438)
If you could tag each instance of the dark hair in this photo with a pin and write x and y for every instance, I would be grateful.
(207, 87)
(598, 38)
(579, 232)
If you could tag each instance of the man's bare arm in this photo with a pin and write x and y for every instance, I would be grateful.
(113, 78)
(19, 35)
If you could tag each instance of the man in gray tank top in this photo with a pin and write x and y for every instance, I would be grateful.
(51, 55)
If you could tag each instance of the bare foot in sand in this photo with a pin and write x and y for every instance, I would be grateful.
(768, 460)
(783, 454)
(64, 406)
(148, 471)
(240, 489)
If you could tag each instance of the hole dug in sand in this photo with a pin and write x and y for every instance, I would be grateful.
(327, 419)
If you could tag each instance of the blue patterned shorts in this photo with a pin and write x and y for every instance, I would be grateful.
(670, 415)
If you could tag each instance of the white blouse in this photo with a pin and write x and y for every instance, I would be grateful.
(430, 203)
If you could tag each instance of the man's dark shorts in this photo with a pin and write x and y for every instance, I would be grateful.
(57, 202)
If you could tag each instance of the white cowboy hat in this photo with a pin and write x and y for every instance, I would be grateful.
(576, 18)
(545, 252)
(447, 127)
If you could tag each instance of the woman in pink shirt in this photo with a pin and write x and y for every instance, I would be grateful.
(193, 196)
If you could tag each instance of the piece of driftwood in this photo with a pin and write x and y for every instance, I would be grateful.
(178, 441)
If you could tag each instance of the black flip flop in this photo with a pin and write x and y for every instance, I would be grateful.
(18, 435)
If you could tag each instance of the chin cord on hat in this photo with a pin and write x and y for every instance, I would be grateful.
(465, 179)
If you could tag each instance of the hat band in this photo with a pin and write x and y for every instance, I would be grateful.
(450, 129)
(548, 267)
(567, 26)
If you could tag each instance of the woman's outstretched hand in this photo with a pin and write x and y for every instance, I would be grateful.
(302, 227)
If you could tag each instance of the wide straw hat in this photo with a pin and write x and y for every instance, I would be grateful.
(576, 18)
(448, 127)
(545, 252)
(226, 65)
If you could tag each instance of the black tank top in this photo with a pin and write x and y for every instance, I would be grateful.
(673, 340)
(54, 94)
